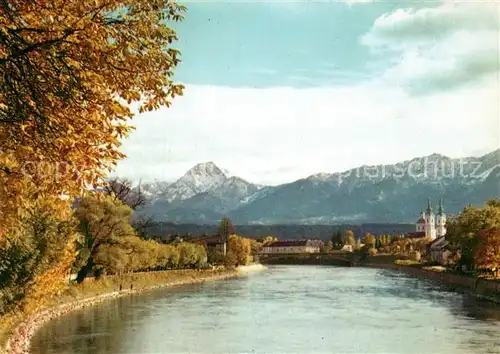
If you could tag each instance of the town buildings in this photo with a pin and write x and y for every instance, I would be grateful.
(439, 251)
(430, 225)
(215, 243)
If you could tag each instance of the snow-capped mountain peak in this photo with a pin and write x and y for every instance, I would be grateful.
(205, 168)
(204, 174)
(199, 179)
(379, 193)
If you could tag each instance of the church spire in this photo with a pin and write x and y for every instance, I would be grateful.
(429, 207)
(441, 209)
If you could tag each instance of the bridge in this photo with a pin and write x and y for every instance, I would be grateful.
(338, 258)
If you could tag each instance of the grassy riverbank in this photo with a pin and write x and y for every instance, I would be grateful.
(17, 329)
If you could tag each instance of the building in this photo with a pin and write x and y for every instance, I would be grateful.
(217, 243)
(293, 246)
(439, 251)
(430, 225)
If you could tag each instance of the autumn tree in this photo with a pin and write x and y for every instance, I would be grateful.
(191, 255)
(349, 238)
(239, 251)
(70, 72)
(268, 240)
(357, 244)
(33, 259)
(462, 231)
(487, 251)
(103, 222)
(385, 240)
(256, 248)
(421, 244)
(369, 240)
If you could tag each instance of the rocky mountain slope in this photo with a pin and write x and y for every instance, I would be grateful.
(203, 194)
(383, 193)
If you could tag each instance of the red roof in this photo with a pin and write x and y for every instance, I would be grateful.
(421, 221)
(419, 234)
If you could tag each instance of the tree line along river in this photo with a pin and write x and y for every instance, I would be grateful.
(285, 309)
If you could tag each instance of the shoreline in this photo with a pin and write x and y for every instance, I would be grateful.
(19, 340)
(252, 268)
(481, 288)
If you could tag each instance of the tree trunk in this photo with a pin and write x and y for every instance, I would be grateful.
(82, 274)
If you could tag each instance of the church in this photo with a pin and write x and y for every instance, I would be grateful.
(430, 225)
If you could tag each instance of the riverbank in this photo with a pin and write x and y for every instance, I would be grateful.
(252, 268)
(91, 292)
(482, 288)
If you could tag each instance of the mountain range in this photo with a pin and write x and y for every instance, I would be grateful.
(367, 194)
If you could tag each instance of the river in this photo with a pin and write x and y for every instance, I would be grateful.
(285, 309)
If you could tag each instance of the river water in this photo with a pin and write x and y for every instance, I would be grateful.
(285, 309)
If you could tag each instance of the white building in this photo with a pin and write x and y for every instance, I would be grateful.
(293, 246)
(439, 251)
(430, 225)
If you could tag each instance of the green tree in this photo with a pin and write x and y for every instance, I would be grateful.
(34, 251)
(103, 220)
(216, 257)
(329, 246)
(226, 228)
(337, 239)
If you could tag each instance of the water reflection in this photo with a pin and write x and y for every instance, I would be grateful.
(287, 309)
(479, 309)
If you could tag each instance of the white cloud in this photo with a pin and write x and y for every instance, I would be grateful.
(281, 134)
(434, 22)
(439, 93)
(438, 48)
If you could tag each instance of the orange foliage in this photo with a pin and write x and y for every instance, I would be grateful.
(71, 71)
(487, 250)
(68, 69)
(49, 282)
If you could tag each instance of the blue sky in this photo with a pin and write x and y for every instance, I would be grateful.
(276, 91)
(273, 44)
(262, 44)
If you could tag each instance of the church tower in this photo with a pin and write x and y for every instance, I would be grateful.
(421, 222)
(430, 226)
(441, 221)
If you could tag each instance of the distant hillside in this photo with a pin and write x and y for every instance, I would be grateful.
(367, 194)
(291, 232)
